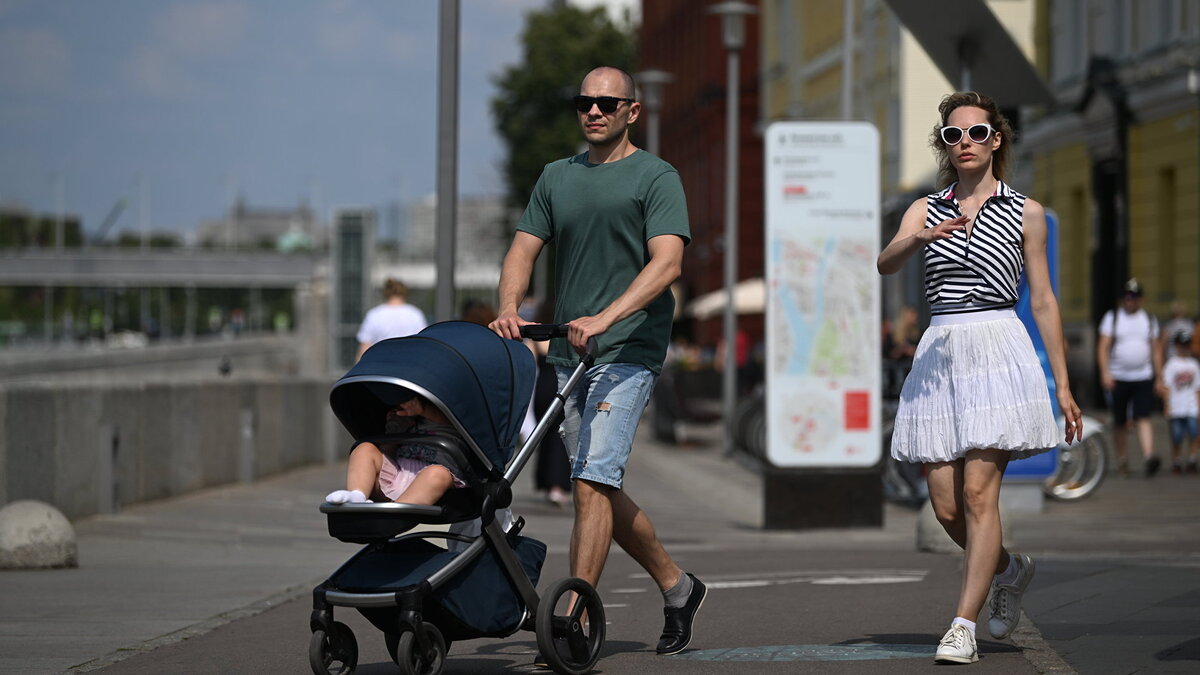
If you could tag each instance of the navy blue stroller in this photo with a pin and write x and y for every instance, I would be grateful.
(423, 595)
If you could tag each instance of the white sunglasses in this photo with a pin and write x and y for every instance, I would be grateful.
(978, 133)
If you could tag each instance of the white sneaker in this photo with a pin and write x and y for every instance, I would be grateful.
(1004, 609)
(957, 646)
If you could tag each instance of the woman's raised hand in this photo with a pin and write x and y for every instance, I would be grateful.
(943, 230)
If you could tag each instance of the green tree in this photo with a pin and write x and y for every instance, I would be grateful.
(532, 109)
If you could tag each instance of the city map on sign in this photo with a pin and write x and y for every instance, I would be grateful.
(824, 306)
(823, 309)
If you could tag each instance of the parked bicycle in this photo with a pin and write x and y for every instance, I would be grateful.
(1081, 466)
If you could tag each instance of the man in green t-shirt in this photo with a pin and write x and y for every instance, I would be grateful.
(619, 220)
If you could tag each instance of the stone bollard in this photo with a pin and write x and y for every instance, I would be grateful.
(35, 535)
(932, 537)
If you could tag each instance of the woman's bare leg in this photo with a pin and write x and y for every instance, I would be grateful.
(982, 473)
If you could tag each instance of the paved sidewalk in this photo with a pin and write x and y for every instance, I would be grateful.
(218, 581)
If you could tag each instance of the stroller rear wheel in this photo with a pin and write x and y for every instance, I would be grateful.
(335, 653)
(404, 651)
(570, 636)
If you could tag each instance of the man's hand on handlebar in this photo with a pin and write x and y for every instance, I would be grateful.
(583, 329)
(508, 325)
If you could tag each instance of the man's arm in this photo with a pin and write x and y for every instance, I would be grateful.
(665, 266)
(1156, 360)
(1103, 349)
(514, 282)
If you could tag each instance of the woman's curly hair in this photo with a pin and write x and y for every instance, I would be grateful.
(1002, 156)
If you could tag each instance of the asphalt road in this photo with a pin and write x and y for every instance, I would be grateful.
(220, 581)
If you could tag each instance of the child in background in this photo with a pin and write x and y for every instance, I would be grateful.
(408, 472)
(1181, 374)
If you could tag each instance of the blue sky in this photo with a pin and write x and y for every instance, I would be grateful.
(330, 100)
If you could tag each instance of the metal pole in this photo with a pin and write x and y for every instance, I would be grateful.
(447, 161)
(652, 132)
(847, 57)
(60, 196)
(732, 99)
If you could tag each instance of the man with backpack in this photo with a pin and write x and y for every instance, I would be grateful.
(1130, 367)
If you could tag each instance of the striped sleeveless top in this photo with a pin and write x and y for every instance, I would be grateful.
(979, 272)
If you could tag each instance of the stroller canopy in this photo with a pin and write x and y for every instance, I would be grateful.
(480, 380)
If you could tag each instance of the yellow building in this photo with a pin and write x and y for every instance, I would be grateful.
(815, 69)
(1118, 158)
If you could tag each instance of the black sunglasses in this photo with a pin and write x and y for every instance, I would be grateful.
(978, 133)
(607, 104)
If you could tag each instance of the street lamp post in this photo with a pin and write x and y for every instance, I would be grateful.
(733, 36)
(651, 83)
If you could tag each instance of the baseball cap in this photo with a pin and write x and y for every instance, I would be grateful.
(1132, 287)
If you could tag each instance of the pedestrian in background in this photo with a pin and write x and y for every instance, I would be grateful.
(393, 318)
(1180, 323)
(976, 397)
(1181, 373)
(552, 474)
(619, 217)
(1130, 366)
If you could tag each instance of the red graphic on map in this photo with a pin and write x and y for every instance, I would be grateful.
(857, 411)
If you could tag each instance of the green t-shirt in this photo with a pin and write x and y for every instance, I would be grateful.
(601, 217)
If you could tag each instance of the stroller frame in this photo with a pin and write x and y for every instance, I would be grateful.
(567, 646)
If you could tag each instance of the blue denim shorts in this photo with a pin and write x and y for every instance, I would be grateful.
(600, 418)
(1182, 429)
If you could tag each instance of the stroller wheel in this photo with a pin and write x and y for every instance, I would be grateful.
(335, 653)
(403, 650)
(570, 632)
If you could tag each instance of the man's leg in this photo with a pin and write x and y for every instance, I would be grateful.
(634, 532)
(1143, 406)
(1119, 398)
(592, 533)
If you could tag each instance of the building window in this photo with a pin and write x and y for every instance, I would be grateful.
(1069, 49)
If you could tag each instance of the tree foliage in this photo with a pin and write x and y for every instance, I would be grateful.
(533, 109)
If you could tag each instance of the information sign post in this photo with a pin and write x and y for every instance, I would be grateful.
(823, 325)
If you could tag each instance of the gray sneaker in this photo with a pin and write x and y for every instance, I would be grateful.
(957, 646)
(1004, 609)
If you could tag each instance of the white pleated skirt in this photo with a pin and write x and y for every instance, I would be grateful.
(975, 383)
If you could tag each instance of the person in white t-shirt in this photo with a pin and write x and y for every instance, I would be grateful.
(1130, 372)
(394, 318)
(1182, 377)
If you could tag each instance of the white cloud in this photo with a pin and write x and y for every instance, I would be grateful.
(33, 58)
(153, 71)
(201, 29)
(183, 37)
(350, 33)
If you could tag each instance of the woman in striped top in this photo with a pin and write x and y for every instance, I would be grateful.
(977, 396)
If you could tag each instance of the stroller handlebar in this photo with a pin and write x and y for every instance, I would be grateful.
(540, 332)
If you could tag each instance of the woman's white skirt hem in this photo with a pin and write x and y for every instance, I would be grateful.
(974, 384)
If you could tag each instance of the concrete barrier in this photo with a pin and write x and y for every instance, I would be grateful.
(93, 448)
(35, 535)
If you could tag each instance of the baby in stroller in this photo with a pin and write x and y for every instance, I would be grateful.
(444, 408)
(410, 472)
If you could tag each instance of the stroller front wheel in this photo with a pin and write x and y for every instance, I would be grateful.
(335, 653)
(570, 626)
(404, 651)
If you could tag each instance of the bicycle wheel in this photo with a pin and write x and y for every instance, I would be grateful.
(1081, 468)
